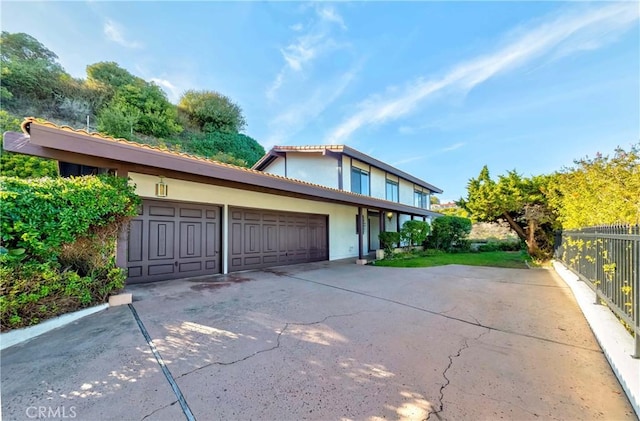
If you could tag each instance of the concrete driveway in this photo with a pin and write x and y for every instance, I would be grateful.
(325, 341)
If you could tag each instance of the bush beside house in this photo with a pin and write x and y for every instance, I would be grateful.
(58, 244)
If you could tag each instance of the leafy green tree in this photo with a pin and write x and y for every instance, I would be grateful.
(414, 232)
(449, 233)
(238, 145)
(156, 116)
(601, 190)
(118, 120)
(18, 165)
(110, 74)
(521, 201)
(212, 112)
(30, 72)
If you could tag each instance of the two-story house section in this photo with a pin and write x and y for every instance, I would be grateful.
(344, 168)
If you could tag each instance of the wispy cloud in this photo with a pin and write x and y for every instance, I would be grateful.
(557, 37)
(453, 147)
(114, 32)
(173, 92)
(311, 42)
(296, 117)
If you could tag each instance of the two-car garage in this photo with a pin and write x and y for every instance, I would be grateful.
(171, 240)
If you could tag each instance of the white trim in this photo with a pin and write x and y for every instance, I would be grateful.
(614, 340)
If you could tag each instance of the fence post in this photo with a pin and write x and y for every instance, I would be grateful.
(635, 284)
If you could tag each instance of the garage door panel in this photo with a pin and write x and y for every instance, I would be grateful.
(211, 245)
(162, 269)
(159, 210)
(190, 240)
(283, 238)
(135, 239)
(161, 240)
(270, 238)
(252, 238)
(171, 240)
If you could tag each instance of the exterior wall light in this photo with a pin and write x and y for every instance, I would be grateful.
(162, 189)
(389, 215)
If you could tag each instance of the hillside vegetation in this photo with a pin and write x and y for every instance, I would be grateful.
(117, 103)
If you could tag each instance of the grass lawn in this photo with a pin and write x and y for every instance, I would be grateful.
(500, 259)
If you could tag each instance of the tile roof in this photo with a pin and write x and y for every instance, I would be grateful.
(374, 202)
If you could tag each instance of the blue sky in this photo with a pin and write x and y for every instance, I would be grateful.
(437, 89)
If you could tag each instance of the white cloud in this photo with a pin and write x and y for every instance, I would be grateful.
(329, 14)
(453, 147)
(311, 42)
(114, 32)
(560, 36)
(173, 92)
(297, 116)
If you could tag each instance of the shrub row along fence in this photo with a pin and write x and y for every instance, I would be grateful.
(607, 258)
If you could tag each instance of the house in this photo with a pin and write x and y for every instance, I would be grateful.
(203, 217)
(344, 168)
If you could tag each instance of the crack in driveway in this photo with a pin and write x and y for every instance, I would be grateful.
(442, 314)
(158, 410)
(447, 382)
(276, 346)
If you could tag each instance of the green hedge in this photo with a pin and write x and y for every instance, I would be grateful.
(58, 244)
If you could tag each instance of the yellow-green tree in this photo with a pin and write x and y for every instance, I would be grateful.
(600, 190)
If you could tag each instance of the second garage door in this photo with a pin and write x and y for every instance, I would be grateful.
(260, 239)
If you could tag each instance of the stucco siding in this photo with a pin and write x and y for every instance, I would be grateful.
(346, 173)
(313, 168)
(378, 184)
(406, 192)
(277, 167)
(343, 241)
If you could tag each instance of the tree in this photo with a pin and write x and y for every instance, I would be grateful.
(142, 105)
(110, 74)
(18, 165)
(30, 72)
(238, 145)
(210, 111)
(24, 47)
(449, 233)
(520, 201)
(434, 200)
(602, 190)
(414, 232)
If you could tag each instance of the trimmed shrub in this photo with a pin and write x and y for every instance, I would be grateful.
(450, 234)
(389, 240)
(414, 232)
(58, 244)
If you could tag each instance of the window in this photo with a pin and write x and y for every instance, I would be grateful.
(392, 191)
(359, 181)
(420, 199)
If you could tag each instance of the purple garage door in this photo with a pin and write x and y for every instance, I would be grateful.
(171, 240)
(260, 238)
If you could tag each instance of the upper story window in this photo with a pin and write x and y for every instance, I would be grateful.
(359, 181)
(420, 199)
(392, 191)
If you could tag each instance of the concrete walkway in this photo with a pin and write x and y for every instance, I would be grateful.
(325, 341)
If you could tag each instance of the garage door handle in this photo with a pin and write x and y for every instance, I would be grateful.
(176, 263)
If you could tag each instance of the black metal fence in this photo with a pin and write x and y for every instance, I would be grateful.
(607, 258)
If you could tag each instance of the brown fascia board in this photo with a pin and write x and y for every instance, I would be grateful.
(90, 150)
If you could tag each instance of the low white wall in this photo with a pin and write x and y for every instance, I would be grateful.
(615, 341)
